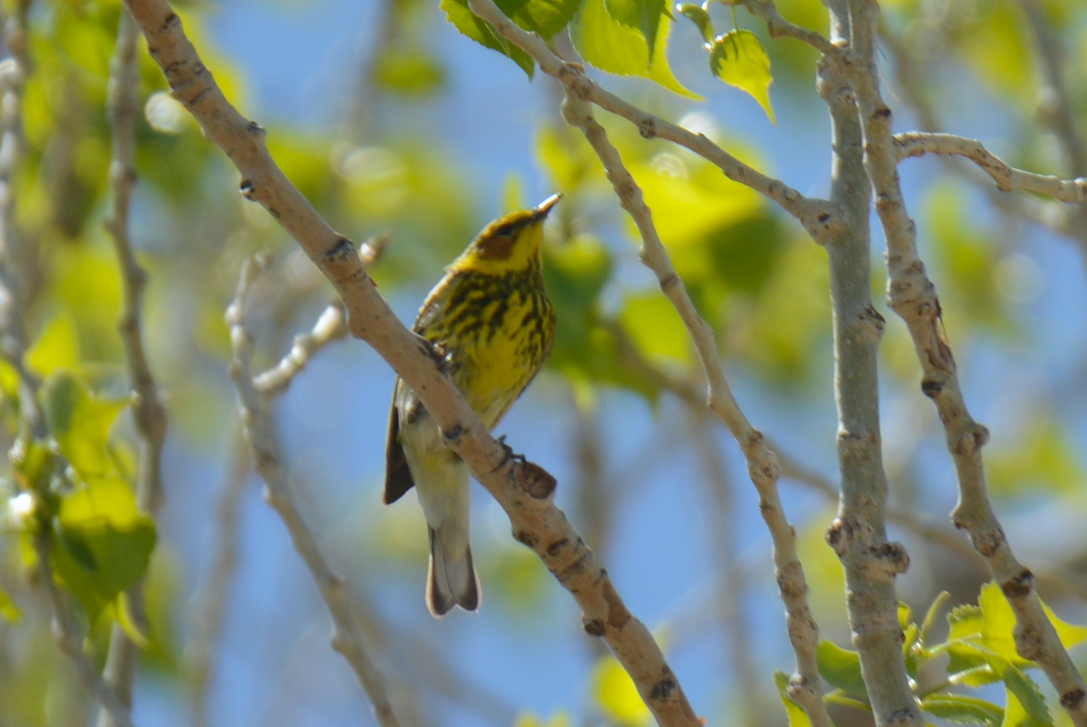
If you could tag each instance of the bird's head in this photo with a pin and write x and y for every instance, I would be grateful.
(508, 244)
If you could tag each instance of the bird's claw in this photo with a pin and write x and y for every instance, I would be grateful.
(509, 454)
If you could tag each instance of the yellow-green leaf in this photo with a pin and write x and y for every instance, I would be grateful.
(655, 327)
(611, 46)
(617, 696)
(80, 422)
(797, 716)
(739, 59)
(8, 610)
(529, 719)
(103, 543)
(57, 347)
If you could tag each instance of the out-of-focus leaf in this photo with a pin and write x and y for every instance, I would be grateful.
(520, 580)
(567, 157)
(964, 709)
(529, 719)
(103, 543)
(84, 273)
(655, 328)
(409, 71)
(970, 261)
(79, 422)
(616, 695)
(56, 347)
(999, 624)
(739, 59)
(994, 41)
(1042, 459)
(797, 716)
(1026, 706)
(697, 15)
(841, 667)
(8, 610)
(610, 46)
(641, 15)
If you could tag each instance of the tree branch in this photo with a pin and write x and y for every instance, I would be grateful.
(523, 489)
(805, 687)
(913, 296)
(259, 431)
(147, 409)
(859, 532)
(779, 27)
(1008, 179)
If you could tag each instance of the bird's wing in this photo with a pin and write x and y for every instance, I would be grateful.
(397, 475)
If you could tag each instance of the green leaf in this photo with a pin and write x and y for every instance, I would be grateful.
(79, 422)
(841, 667)
(610, 46)
(484, 33)
(616, 695)
(797, 716)
(697, 15)
(8, 610)
(965, 709)
(739, 59)
(409, 71)
(103, 543)
(545, 17)
(1026, 705)
(642, 15)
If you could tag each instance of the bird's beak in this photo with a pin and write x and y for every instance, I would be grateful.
(545, 206)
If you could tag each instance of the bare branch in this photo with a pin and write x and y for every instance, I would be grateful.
(147, 409)
(265, 451)
(524, 490)
(806, 686)
(331, 326)
(859, 533)
(1008, 179)
(913, 296)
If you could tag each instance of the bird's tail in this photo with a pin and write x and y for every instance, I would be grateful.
(452, 580)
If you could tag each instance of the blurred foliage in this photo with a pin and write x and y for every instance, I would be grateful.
(752, 273)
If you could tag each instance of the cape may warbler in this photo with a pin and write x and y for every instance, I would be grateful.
(491, 320)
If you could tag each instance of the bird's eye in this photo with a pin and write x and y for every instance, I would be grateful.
(497, 246)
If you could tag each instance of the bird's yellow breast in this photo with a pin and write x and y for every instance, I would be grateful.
(496, 332)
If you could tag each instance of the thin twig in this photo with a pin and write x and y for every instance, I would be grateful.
(1008, 179)
(331, 326)
(731, 577)
(69, 639)
(1063, 117)
(762, 466)
(913, 297)
(524, 490)
(213, 599)
(260, 433)
(779, 27)
(147, 410)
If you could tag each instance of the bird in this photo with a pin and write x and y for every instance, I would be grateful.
(490, 320)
